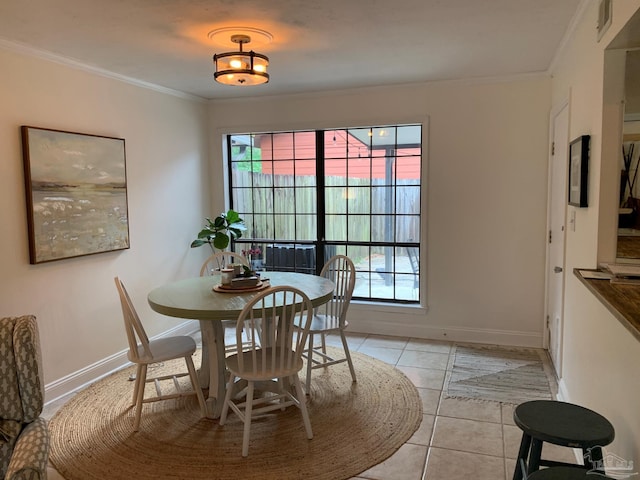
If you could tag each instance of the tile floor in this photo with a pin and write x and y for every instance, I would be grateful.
(457, 438)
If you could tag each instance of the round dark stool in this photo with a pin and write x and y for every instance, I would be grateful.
(565, 473)
(563, 424)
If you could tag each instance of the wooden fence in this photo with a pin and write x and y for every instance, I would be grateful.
(284, 207)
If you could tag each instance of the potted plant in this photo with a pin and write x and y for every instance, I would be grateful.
(218, 233)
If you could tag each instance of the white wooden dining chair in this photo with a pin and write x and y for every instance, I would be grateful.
(144, 352)
(220, 260)
(331, 317)
(278, 359)
(215, 263)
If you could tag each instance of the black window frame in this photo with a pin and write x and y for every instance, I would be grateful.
(322, 247)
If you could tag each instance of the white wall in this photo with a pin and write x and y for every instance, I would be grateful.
(75, 300)
(599, 355)
(485, 169)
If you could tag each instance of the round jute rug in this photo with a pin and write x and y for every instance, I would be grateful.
(355, 426)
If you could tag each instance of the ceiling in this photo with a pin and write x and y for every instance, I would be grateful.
(316, 46)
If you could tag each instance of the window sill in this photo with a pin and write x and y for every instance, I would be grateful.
(410, 309)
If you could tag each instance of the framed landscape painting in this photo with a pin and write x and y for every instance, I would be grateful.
(76, 192)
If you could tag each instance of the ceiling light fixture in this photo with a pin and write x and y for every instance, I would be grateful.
(241, 68)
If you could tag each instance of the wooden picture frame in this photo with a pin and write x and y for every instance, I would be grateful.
(76, 193)
(579, 171)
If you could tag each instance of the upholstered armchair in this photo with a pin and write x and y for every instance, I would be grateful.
(24, 437)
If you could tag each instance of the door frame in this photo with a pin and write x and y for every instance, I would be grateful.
(547, 323)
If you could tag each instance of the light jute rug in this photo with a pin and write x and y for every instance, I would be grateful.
(501, 374)
(355, 426)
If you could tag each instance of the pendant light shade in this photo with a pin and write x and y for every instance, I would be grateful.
(241, 68)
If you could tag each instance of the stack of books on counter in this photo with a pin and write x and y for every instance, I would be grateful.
(623, 273)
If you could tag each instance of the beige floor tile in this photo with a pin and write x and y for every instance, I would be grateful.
(422, 436)
(450, 464)
(335, 341)
(468, 435)
(424, 377)
(437, 346)
(416, 358)
(470, 409)
(387, 341)
(507, 414)
(387, 355)
(509, 468)
(562, 454)
(354, 340)
(406, 464)
(513, 435)
(430, 400)
(332, 339)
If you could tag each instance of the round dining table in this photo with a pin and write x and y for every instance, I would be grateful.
(196, 298)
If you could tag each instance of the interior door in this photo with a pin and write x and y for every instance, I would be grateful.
(556, 235)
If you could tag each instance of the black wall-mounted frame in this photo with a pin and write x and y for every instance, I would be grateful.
(579, 171)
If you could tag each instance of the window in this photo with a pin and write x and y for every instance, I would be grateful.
(308, 195)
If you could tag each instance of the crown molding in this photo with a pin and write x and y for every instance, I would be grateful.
(27, 50)
(573, 25)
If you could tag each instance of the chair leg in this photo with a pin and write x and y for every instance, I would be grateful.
(324, 343)
(195, 383)
(302, 401)
(348, 355)
(593, 458)
(534, 456)
(227, 399)
(309, 364)
(281, 386)
(142, 374)
(136, 384)
(523, 455)
(247, 419)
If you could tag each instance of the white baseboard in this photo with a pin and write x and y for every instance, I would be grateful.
(411, 321)
(563, 394)
(87, 375)
(452, 334)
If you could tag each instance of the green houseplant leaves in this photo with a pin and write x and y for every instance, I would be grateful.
(218, 233)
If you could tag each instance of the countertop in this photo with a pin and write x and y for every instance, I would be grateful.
(622, 300)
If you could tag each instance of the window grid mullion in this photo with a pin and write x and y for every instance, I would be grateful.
(320, 199)
(388, 193)
(295, 190)
(273, 185)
